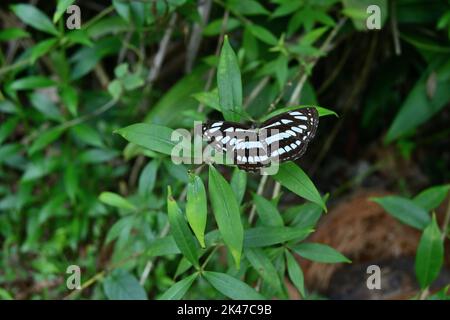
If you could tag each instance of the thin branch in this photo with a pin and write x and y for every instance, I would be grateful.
(204, 8)
(159, 57)
(219, 44)
(256, 91)
(259, 192)
(394, 26)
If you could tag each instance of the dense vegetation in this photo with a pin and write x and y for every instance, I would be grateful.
(87, 115)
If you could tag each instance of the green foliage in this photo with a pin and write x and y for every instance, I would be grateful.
(120, 285)
(430, 250)
(405, 210)
(227, 213)
(430, 254)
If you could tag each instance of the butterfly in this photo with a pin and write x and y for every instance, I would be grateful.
(284, 137)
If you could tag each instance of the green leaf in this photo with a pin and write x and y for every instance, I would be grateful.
(267, 211)
(132, 81)
(229, 83)
(263, 34)
(121, 226)
(5, 295)
(115, 89)
(180, 231)
(97, 155)
(121, 285)
(295, 179)
(404, 210)
(267, 236)
(231, 287)
(196, 209)
(162, 247)
(115, 200)
(150, 136)
(295, 273)
(42, 48)
(322, 111)
(214, 28)
(46, 106)
(179, 289)
(431, 198)
(71, 184)
(320, 253)
(147, 178)
(78, 36)
(286, 8)
(38, 169)
(265, 268)
(303, 216)
(238, 184)
(13, 34)
(61, 8)
(226, 212)
(247, 7)
(34, 17)
(7, 128)
(209, 99)
(87, 135)
(7, 106)
(32, 82)
(45, 139)
(69, 97)
(430, 255)
(418, 106)
(121, 70)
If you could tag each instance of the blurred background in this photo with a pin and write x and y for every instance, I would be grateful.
(69, 79)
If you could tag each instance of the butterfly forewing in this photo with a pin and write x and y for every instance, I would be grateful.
(281, 138)
(289, 133)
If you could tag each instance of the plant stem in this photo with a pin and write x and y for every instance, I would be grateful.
(259, 192)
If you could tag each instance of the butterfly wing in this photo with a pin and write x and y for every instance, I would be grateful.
(216, 134)
(239, 140)
(281, 138)
(287, 135)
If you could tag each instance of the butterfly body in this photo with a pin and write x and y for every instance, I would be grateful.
(284, 137)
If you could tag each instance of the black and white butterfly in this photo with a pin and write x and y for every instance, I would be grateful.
(283, 137)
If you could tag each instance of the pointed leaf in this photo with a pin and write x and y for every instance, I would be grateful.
(229, 83)
(295, 179)
(179, 289)
(295, 273)
(320, 253)
(231, 287)
(196, 209)
(265, 268)
(430, 255)
(267, 211)
(180, 231)
(34, 17)
(431, 198)
(405, 210)
(115, 200)
(226, 212)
